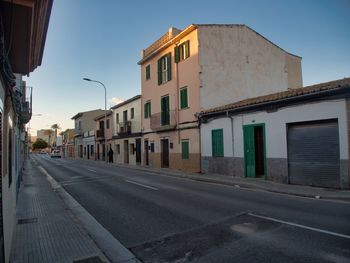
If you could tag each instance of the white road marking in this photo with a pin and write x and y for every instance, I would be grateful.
(91, 170)
(301, 226)
(143, 185)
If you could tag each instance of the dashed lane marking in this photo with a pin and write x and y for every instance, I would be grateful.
(143, 185)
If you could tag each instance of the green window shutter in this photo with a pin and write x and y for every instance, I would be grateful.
(149, 109)
(187, 48)
(183, 98)
(159, 71)
(217, 139)
(185, 150)
(148, 72)
(176, 54)
(169, 65)
(145, 109)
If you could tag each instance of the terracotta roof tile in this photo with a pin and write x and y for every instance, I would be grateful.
(332, 85)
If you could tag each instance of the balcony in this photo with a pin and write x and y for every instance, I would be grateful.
(124, 128)
(26, 112)
(163, 121)
(100, 134)
(26, 105)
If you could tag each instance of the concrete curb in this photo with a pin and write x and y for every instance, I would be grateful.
(240, 184)
(108, 244)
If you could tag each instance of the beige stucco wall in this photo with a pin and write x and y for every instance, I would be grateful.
(175, 161)
(188, 75)
(184, 74)
(120, 158)
(237, 63)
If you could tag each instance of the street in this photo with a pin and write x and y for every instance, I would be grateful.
(168, 219)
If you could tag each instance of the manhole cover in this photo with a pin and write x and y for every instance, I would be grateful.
(27, 220)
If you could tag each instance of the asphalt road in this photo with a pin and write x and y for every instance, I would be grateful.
(168, 219)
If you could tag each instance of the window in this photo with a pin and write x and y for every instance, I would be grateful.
(185, 150)
(132, 113)
(132, 148)
(118, 148)
(147, 109)
(152, 147)
(101, 125)
(125, 116)
(148, 72)
(217, 139)
(182, 51)
(164, 69)
(165, 112)
(107, 124)
(183, 98)
(117, 118)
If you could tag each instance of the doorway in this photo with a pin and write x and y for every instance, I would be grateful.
(126, 151)
(138, 151)
(146, 153)
(254, 150)
(165, 153)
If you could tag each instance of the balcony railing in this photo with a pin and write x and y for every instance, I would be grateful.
(163, 120)
(26, 105)
(100, 134)
(124, 128)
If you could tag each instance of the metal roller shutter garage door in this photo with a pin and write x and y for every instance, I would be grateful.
(313, 154)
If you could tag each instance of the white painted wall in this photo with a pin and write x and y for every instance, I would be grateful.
(135, 122)
(9, 201)
(236, 63)
(206, 140)
(276, 127)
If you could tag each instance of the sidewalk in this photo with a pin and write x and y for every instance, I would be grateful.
(46, 229)
(254, 183)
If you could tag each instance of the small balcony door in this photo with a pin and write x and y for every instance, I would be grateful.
(165, 114)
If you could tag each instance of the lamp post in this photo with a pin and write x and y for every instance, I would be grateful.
(105, 122)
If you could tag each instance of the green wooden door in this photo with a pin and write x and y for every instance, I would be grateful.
(165, 115)
(249, 150)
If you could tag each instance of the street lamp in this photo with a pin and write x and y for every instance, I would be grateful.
(105, 122)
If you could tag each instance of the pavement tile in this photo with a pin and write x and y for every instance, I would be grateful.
(52, 233)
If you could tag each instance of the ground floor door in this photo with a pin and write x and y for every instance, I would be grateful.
(126, 151)
(313, 153)
(254, 150)
(146, 152)
(88, 152)
(81, 151)
(138, 151)
(164, 153)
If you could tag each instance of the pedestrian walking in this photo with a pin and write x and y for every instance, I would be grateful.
(110, 155)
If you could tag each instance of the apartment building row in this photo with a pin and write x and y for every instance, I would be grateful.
(224, 99)
(23, 27)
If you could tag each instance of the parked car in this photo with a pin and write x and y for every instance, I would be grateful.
(56, 154)
(42, 152)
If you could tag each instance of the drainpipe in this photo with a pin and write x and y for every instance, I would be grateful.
(177, 95)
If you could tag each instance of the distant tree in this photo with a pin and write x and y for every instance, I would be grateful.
(55, 127)
(49, 133)
(39, 144)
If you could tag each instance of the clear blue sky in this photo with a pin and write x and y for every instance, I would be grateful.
(102, 39)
